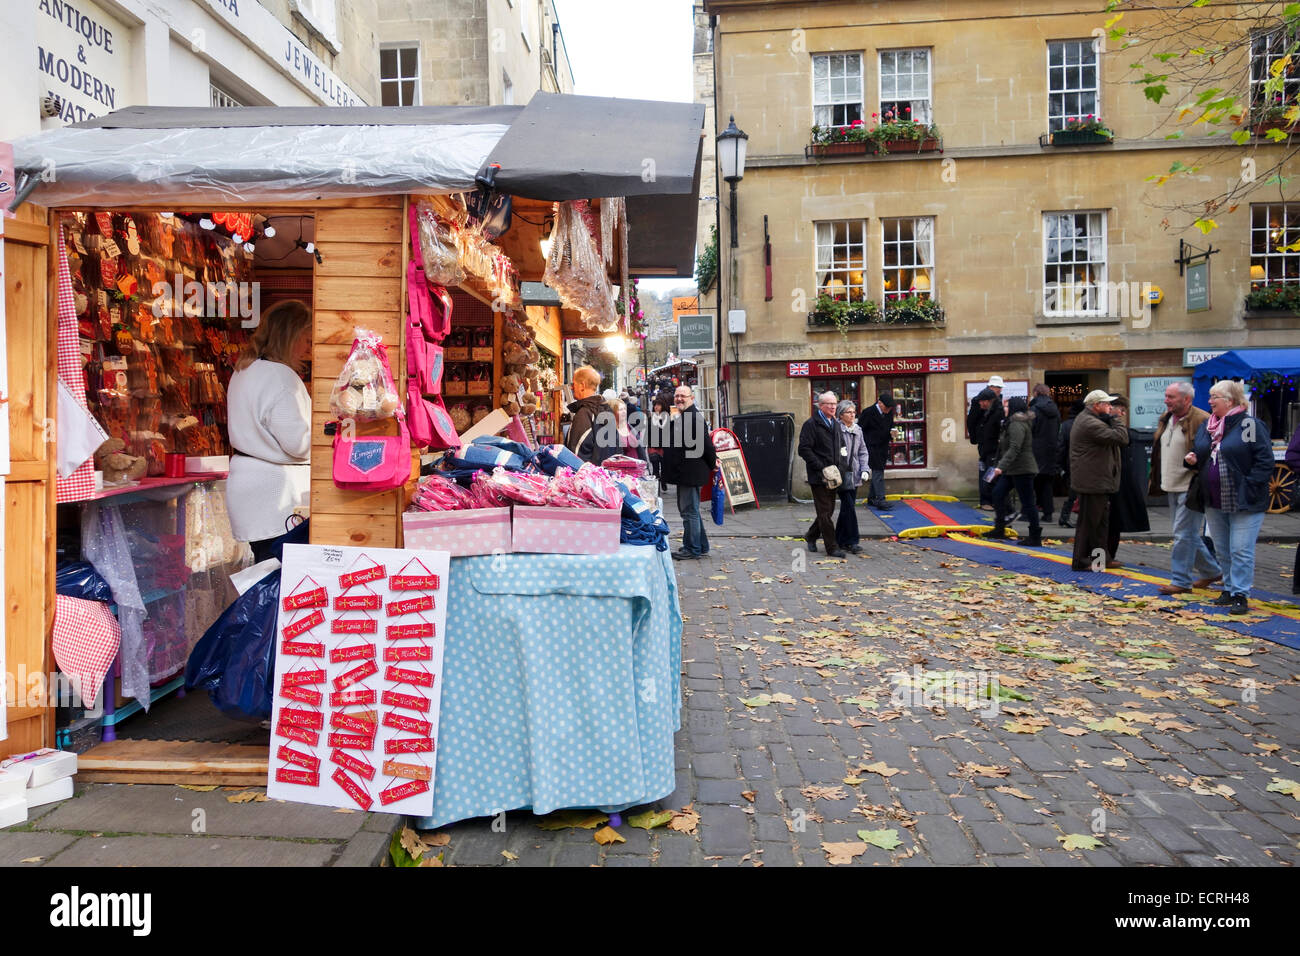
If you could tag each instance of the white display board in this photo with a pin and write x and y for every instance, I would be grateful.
(358, 678)
(1011, 388)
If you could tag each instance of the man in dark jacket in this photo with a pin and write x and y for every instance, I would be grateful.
(1046, 430)
(1128, 506)
(1095, 442)
(689, 460)
(818, 451)
(581, 439)
(985, 431)
(877, 430)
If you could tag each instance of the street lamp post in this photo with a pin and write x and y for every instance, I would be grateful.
(732, 146)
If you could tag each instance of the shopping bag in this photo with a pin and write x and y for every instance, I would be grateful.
(235, 658)
(719, 497)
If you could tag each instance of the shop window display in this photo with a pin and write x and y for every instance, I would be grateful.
(164, 304)
(907, 444)
(844, 388)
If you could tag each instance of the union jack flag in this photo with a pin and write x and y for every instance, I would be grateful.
(940, 365)
(798, 368)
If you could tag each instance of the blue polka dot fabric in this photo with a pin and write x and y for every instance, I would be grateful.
(560, 683)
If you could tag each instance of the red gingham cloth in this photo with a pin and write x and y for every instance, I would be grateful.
(86, 639)
(79, 485)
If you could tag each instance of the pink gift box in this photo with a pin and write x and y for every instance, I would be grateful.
(473, 531)
(549, 530)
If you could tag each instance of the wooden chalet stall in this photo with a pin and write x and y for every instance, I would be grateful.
(338, 184)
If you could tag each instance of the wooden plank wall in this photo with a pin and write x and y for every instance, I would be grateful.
(358, 284)
(31, 319)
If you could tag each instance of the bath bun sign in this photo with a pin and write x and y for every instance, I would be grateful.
(358, 678)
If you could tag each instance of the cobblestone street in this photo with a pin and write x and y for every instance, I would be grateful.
(1146, 737)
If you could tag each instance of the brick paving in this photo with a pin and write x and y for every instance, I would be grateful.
(1176, 774)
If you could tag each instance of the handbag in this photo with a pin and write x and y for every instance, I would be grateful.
(418, 418)
(373, 462)
(444, 431)
(1195, 500)
(832, 475)
(719, 501)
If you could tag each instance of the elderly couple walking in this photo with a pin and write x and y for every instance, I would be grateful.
(1215, 469)
(840, 454)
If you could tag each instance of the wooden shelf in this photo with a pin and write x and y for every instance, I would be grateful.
(152, 484)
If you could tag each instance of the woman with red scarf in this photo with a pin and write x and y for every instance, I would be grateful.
(1234, 456)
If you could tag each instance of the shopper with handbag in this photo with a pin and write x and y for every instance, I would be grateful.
(819, 452)
(1016, 466)
(689, 460)
(1234, 458)
(268, 411)
(853, 470)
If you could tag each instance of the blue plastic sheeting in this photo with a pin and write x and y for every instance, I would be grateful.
(1277, 628)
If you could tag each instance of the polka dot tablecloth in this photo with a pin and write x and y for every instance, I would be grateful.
(560, 683)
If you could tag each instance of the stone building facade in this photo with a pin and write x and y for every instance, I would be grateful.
(1022, 254)
(64, 61)
(471, 52)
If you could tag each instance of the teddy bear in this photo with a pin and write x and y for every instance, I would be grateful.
(460, 417)
(118, 466)
(514, 354)
(517, 333)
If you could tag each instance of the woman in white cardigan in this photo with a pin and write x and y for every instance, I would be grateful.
(269, 417)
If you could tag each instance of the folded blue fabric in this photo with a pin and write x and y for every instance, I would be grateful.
(488, 451)
(506, 444)
(551, 458)
(635, 532)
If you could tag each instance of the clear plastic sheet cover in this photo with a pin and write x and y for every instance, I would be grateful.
(221, 166)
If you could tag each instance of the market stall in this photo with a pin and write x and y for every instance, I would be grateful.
(352, 209)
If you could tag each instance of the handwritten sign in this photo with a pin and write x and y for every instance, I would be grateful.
(371, 710)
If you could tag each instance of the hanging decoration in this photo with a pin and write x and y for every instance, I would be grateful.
(575, 268)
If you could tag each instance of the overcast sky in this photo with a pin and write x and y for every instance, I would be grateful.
(635, 49)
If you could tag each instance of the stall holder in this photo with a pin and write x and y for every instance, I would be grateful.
(576, 148)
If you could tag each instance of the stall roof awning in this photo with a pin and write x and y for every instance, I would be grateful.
(564, 147)
(1242, 363)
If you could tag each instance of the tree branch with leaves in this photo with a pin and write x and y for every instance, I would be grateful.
(1231, 71)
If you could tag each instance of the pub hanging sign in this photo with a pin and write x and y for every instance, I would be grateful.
(832, 368)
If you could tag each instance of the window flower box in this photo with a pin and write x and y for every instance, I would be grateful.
(912, 310)
(837, 313)
(1068, 137)
(837, 149)
(1088, 131)
(1282, 298)
(928, 145)
(891, 136)
(1262, 128)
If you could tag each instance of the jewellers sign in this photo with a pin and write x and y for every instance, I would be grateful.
(275, 42)
(833, 368)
